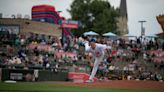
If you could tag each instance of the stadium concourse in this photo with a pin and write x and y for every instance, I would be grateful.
(138, 59)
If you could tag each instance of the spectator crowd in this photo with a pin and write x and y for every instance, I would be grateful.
(140, 58)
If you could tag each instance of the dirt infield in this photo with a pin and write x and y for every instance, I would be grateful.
(116, 84)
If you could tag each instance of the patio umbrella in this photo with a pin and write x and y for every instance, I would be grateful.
(90, 33)
(151, 36)
(109, 34)
(129, 35)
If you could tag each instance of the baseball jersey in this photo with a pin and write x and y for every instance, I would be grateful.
(98, 51)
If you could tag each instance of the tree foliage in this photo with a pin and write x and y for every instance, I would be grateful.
(96, 15)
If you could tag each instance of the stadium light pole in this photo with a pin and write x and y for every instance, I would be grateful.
(142, 28)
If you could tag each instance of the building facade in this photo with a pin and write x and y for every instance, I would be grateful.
(25, 26)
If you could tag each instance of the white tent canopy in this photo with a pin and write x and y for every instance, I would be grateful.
(109, 34)
(151, 36)
(129, 35)
(90, 33)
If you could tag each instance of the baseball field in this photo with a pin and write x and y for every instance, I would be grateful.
(110, 86)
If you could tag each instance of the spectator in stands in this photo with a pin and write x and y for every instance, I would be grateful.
(36, 51)
(22, 41)
(17, 60)
(45, 61)
(40, 59)
(109, 59)
(21, 54)
(17, 41)
(74, 59)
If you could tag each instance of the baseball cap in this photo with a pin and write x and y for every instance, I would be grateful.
(92, 40)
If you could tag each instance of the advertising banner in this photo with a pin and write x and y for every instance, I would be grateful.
(17, 75)
(10, 29)
(82, 77)
(69, 24)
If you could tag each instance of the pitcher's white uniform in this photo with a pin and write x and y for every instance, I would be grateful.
(98, 55)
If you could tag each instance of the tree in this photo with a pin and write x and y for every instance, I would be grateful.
(96, 15)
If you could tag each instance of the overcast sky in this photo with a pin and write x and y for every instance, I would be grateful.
(137, 10)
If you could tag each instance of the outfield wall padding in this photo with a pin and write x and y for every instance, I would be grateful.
(32, 75)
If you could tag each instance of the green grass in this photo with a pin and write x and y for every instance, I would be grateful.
(44, 87)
